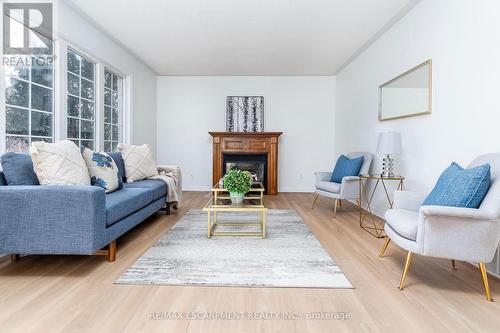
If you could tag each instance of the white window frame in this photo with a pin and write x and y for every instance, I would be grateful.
(59, 98)
(99, 96)
(96, 98)
(121, 102)
(3, 111)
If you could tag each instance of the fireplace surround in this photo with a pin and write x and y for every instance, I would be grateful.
(247, 148)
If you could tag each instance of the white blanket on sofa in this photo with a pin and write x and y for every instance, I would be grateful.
(172, 176)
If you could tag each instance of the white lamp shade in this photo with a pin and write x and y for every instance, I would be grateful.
(389, 143)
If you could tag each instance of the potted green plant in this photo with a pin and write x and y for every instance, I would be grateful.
(238, 183)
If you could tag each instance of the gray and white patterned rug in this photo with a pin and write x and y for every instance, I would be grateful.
(290, 256)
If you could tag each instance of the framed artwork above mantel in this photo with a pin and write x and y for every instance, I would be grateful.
(245, 113)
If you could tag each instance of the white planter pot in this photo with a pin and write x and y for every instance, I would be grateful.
(236, 198)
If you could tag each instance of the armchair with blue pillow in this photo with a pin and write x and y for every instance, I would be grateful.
(458, 220)
(69, 219)
(343, 182)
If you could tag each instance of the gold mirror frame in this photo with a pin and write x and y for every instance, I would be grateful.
(429, 98)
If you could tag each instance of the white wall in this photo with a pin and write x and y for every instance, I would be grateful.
(75, 29)
(461, 37)
(301, 107)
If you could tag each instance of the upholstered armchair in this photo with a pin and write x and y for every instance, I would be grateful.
(348, 189)
(466, 234)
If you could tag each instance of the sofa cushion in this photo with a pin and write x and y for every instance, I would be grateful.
(345, 167)
(403, 221)
(18, 169)
(117, 157)
(59, 163)
(328, 187)
(459, 187)
(102, 169)
(3, 182)
(122, 203)
(139, 162)
(158, 187)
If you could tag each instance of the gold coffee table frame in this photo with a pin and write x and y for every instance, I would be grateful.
(374, 228)
(219, 203)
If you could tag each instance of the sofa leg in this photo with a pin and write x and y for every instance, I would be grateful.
(167, 209)
(112, 251)
(453, 264)
(14, 257)
(335, 209)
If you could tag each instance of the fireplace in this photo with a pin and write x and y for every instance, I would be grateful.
(255, 163)
(255, 150)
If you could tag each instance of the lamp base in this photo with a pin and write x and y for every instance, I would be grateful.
(387, 166)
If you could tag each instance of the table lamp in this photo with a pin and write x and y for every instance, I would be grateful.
(389, 144)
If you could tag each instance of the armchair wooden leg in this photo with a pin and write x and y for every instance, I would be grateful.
(340, 203)
(384, 247)
(314, 201)
(14, 257)
(484, 275)
(453, 264)
(112, 251)
(405, 270)
(335, 209)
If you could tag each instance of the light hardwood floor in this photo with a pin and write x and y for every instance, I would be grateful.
(77, 294)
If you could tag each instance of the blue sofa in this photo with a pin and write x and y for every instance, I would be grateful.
(38, 219)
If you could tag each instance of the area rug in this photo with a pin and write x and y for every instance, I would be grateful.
(290, 256)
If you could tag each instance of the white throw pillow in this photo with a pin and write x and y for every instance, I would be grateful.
(102, 169)
(139, 162)
(59, 163)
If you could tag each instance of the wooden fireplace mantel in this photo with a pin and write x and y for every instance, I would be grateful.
(247, 143)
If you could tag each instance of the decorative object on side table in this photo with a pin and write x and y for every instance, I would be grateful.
(238, 183)
(245, 114)
(376, 227)
(389, 144)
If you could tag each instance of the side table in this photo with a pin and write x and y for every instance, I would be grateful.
(376, 228)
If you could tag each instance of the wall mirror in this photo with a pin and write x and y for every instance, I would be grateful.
(407, 95)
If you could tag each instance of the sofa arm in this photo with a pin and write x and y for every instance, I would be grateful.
(409, 200)
(52, 219)
(323, 176)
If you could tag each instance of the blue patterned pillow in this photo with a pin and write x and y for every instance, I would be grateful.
(102, 169)
(459, 187)
(346, 166)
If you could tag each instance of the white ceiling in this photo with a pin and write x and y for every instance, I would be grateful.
(244, 37)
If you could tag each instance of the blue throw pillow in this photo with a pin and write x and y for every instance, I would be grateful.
(346, 166)
(117, 157)
(459, 187)
(18, 169)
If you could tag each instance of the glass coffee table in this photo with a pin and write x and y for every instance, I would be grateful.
(220, 203)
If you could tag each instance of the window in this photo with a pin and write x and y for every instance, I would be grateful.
(80, 100)
(112, 109)
(29, 106)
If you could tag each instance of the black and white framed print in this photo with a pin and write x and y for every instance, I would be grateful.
(245, 114)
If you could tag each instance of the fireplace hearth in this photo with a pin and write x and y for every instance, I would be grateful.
(256, 151)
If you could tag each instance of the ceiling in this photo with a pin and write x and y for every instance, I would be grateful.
(244, 37)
